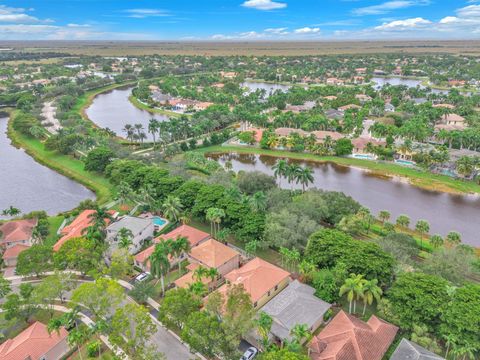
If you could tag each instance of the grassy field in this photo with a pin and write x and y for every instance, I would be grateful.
(54, 223)
(63, 164)
(422, 179)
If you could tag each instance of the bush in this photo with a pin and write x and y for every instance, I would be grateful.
(93, 349)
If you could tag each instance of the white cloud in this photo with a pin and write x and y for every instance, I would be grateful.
(144, 13)
(78, 25)
(16, 15)
(388, 6)
(307, 30)
(264, 4)
(406, 24)
(277, 31)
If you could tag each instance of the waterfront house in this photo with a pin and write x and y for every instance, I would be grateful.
(15, 237)
(322, 135)
(260, 279)
(142, 230)
(349, 338)
(36, 343)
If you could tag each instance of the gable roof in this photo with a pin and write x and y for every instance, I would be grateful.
(135, 224)
(14, 251)
(408, 350)
(213, 253)
(296, 304)
(31, 343)
(193, 235)
(257, 277)
(76, 227)
(348, 338)
(17, 230)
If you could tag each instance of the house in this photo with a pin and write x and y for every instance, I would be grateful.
(296, 304)
(141, 228)
(349, 338)
(194, 236)
(334, 114)
(228, 74)
(389, 108)
(308, 105)
(454, 119)
(445, 106)
(77, 227)
(408, 350)
(330, 97)
(322, 135)
(335, 81)
(349, 107)
(210, 254)
(261, 280)
(36, 343)
(285, 132)
(361, 71)
(363, 98)
(360, 144)
(15, 237)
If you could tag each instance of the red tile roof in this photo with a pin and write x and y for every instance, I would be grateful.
(193, 235)
(17, 230)
(14, 251)
(76, 227)
(213, 254)
(348, 338)
(31, 343)
(257, 277)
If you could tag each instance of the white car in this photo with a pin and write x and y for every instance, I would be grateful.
(142, 277)
(249, 354)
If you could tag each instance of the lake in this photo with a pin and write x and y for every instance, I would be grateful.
(411, 83)
(445, 212)
(113, 110)
(270, 88)
(27, 185)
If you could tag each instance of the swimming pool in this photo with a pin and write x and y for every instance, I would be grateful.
(158, 221)
(405, 162)
(363, 156)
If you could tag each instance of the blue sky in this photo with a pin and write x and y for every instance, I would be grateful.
(239, 19)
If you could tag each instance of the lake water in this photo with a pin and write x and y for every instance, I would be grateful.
(445, 212)
(411, 83)
(270, 88)
(113, 110)
(27, 185)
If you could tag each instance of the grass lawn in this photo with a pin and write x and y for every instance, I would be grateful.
(54, 223)
(422, 179)
(106, 353)
(63, 164)
(142, 106)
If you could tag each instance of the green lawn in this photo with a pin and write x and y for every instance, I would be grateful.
(142, 106)
(63, 164)
(422, 179)
(54, 223)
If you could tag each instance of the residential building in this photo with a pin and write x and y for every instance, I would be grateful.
(349, 338)
(322, 135)
(389, 108)
(36, 343)
(142, 229)
(349, 107)
(408, 350)
(261, 280)
(296, 304)
(360, 144)
(284, 132)
(15, 237)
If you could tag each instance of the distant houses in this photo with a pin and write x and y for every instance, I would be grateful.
(15, 237)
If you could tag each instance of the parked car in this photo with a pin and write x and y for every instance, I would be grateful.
(142, 277)
(249, 354)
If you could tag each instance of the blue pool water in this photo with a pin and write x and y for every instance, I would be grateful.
(363, 156)
(158, 221)
(405, 162)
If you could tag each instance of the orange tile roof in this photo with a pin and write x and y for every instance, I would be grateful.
(142, 256)
(17, 230)
(213, 253)
(14, 251)
(31, 343)
(187, 279)
(193, 235)
(348, 338)
(76, 227)
(257, 277)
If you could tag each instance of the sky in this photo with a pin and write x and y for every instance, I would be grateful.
(239, 20)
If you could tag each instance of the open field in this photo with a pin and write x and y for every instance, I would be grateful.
(137, 48)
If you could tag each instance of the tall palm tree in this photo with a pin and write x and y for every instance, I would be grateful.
(125, 237)
(280, 169)
(153, 126)
(436, 241)
(11, 211)
(304, 176)
(292, 172)
(258, 201)
(264, 325)
(198, 289)
(129, 131)
(180, 246)
(159, 262)
(172, 208)
(370, 291)
(300, 332)
(352, 287)
(215, 215)
(200, 273)
(124, 193)
(453, 238)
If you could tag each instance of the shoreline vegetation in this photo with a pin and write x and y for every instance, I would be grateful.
(139, 105)
(421, 179)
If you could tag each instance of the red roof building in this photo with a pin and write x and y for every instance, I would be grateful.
(35, 343)
(17, 232)
(348, 338)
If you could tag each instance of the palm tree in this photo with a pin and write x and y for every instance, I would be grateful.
(153, 126)
(124, 193)
(453, 238)
(436, 241)
(264, 325)
(352, 287)
(172, 208)
(129, 131)
(465, 166)
(200, 273)
(180, 246)
(212, 273)
(280, 169)
(215, 215)
(125, 237)
(198, 289)
(76, 338)
(258, 201)
(423, 227)
(304, 176)
(11, 211)
(403, 221)
(292, 172)
(371, 291)
(300, 332)
(159, 262)
(384, 215)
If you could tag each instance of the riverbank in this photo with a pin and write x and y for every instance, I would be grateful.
(421, 179)
(140, 105)
(63, 164)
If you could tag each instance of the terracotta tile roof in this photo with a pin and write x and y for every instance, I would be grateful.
(348, 338)
(213, 253)
(76, 227)
(31, 343)
(17, 230)
(187, 279)
(321, 135)
(14, 251)
(142, 256)
(257, 277)
(288, 131)
(193, 235)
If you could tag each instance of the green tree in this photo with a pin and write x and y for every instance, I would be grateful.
(98, 159)
(159, 262)
(403, 221)
(436, 241)
(280, 169)
(343, 147)
(353, 289)
(304, 176)
(281, 354)
(370, 292)
(35, 260)
(422, 227)
(264, 325)
(384, 215)
(79, 254)
(453, 238)
(11, 211)
(172, 208)
(125, 237)
(176, 307)
(5, 287)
